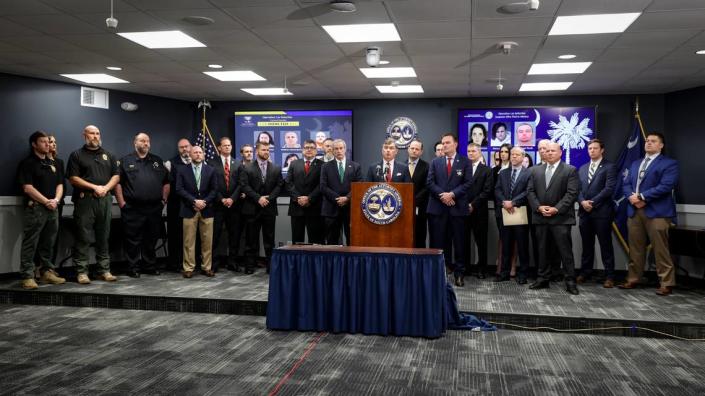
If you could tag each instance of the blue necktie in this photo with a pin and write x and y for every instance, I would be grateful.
(511, 184)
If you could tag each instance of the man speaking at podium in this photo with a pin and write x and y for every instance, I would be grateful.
(389, 170)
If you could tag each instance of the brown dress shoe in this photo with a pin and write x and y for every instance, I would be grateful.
(664, 290)
(609, 283)
(208, 273)
(628, 285)
(187, 274)
(580, 280)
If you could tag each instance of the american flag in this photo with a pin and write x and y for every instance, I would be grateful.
(204, 140)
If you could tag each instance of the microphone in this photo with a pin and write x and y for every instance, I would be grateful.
(379, 169)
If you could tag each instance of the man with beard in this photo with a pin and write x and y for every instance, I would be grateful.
(328, 150)
(174, 222)
(141, 195)
(93, 172)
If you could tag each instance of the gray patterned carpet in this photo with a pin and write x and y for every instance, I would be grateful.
(87, 351)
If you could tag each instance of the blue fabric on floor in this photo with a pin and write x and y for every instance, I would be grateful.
(461, 320)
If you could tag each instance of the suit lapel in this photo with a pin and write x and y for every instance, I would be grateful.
(649, 168)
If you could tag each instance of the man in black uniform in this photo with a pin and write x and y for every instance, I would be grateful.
(175, 227)
(42, 183)
(261, 181)
(141, 194)
(303, 183)
(226, 213)
(93, 172)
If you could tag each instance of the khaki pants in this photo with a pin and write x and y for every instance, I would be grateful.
(640, 227)
(205, 226)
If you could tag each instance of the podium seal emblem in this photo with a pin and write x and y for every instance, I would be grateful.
(381, 204)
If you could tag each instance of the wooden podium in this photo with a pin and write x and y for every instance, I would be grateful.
(398, 234)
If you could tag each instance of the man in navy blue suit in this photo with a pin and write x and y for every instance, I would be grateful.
(649, 188)
(510, 194)
(197, 186)
(336, 178)
(596, 212)
(449, 179)
(389, 170)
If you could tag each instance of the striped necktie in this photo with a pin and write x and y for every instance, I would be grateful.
(512, 182)
(591, 172)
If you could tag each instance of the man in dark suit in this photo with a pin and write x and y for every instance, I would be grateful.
(553, 189)
(596, 212)
(227, 215)
(510, 194)
(303, 183)
(649, 188)
(261, 182)
(175, 224)
(336, 178)
(418, 169)
(449, 180)
(197, 186)
(388, 170)
(476, 223)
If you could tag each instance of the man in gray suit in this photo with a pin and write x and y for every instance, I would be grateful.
(552, 191)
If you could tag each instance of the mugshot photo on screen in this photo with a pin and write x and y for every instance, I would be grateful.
(477, 133)
(264, 137)
(319, 137)
(525, 134)
(287, 159)
(290, 140)
(500, 134)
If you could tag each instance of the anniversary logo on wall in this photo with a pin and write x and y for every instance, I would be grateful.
(403, 131)
(381, 204)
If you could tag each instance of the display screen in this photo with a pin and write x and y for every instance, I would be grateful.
(571, 127)
(286, 130)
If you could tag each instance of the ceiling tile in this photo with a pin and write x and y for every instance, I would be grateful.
(511, 27)
(434, 30)
(422, 10)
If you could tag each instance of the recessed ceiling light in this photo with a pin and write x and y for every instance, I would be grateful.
(384, 62)
(95, 78)
(363, 33)
(593, 24)
(267, 91)
(214, 66)
(701, 52)
(566, 56)
(236, 75)
(388, 72)
(114, 68)
(163, 39)
(559, 68)
(391, 89)
(551, 86)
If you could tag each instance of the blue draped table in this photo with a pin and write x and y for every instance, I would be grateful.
(367, 290)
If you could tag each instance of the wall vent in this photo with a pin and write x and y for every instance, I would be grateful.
(94, 97)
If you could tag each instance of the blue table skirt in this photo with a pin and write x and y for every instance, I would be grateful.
(369, 293)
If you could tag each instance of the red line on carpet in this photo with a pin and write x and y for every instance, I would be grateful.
(290, 373)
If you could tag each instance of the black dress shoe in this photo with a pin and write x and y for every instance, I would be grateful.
(481, 275)
(539, 285)
(249, 271)
(521, 281)
(572, 289)
(133, 274)
(500, 278)
(459, 281)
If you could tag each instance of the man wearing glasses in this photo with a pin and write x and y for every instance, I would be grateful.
(303, 186)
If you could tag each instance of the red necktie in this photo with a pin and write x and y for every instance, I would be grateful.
(227, 174)
(388, 176)
(307, 166)
(449, 166)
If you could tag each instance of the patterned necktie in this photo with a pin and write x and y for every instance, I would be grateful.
(263, 168)
(388, 173)
(197, 175)
(511, 183)
(549, 174)
(226, 168)
(412, 167)
(307, 167)
(448, 167)
(642, 172)
(341, 171)
(591, 172)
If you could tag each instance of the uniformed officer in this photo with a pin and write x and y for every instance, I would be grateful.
(42, 183)
(93, 172)
(141, 194)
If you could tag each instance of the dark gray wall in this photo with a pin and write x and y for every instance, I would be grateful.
(29, 104)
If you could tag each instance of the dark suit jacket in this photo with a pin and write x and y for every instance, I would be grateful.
(375, 173)
(599, 190)
(657, 187)
(186, 189)
(480, 190)
(233, 189)
(561, 193)
(254, 188)
(518, 194)
(459, 183)
(332, 188)
(298, 183)
(420, 179)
